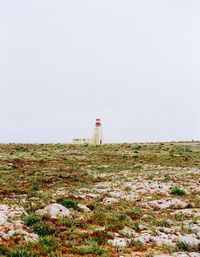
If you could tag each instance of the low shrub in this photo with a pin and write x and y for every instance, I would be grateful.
(68, 203)
(178, 191)
(135, 214)
(38, 226)
(182, 246)
(35, 186)
(48, 244)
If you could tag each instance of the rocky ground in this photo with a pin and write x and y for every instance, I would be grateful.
(110, 200)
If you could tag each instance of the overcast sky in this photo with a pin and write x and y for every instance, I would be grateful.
(133, 63)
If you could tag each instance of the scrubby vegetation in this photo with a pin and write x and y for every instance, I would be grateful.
(178, 191)
(127, 192)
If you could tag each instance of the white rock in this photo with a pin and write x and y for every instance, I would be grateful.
(31, 237)
(119, 242)
(4, 208)
(91, 195)
(189, 239)
(180, 254)
(3, 214)
(55, 211)
(84, 190)
(11, 229)
(172, 230)
(80, 196)
(115, 194)
(195, 212)
(192, 254)
(195, 228)
(110, 200)
(102, 190)
(130, 197)
(150, 187)
(167, 239)
(3, 218)
(84, 208)
(198, 233)
(167, 203)
(144, 238)
(16, 212)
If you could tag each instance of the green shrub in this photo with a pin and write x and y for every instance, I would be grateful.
(69, 222)
(182, 246)
(100, 237)
(21, 148)
(31, 220)
(42, 229)
(179, 216)
(35, 185)
(48, 244)
(137, 147)
(122, 216)
(68, 203)
(38, 226)
(136, 214)
(178, 191)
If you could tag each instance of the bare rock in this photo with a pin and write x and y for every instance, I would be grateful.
(91, 195)
(189, 239)
(181, 254)
(144, 238)
(13, 212)
(12, 229)
(3, 214)
(55, 211)
(167, 203)
(110, 200)
(166, 239)
(84, 208)
(116, 194)
(16, 212)
(118, 242)
(150, 187)
(194, 212)
(31, 237)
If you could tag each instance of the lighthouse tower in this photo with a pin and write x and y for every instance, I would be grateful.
(98, 138)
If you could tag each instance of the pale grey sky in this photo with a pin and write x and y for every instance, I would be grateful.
(133, 63)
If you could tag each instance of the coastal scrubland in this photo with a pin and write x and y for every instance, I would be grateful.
(110, 200)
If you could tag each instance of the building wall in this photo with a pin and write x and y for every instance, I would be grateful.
(81, 141)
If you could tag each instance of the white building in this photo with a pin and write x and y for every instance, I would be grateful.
(80, 141)
(97, 138)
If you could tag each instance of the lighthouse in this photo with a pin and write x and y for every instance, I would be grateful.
(98, 137)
